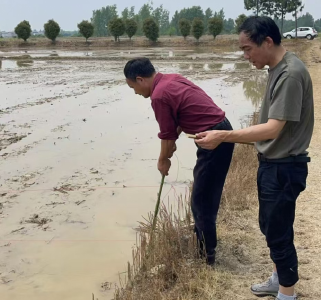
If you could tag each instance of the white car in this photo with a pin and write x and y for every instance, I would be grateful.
(303, 32)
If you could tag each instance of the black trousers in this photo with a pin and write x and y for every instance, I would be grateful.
(209, 178)
(279, 185)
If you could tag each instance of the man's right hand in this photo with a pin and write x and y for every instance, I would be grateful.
(173, 150)
(164, 166)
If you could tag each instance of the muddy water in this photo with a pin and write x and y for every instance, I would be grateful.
(78, 165)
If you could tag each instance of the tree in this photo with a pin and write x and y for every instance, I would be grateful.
(52, 30)
(171, 31)
(161, 16)
(131, 13)
(116, 28)
(144, 13)
(86, 29)
(306, 20)
(23, 30)
(192, 13)
(228, 26)
(131, 27)
(125, 14)
(101, 19)
(279, 10)
(239, 21)
(257, 5)
(317, 25)
(175, 22)
(184, 27)
(208, 15)
(197, 28)
(220, 14)
(151, 29)
(215, 26)
(294, 7)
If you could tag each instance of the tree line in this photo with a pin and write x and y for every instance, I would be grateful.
(277, 9)
(52, 30)
(189, 21)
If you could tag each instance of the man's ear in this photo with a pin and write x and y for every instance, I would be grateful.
(269, 41)
(139, 79)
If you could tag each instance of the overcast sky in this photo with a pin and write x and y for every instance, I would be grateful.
(68, 13)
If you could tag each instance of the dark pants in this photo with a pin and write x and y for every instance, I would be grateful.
(209, 177)
(279, 185)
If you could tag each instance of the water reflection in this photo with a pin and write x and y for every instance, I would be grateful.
(228, 67)
(206, 67)
(254, 88)
(7, 64)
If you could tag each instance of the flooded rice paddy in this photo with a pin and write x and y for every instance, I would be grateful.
(78, 155)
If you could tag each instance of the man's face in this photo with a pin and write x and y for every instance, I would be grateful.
(140, 86)
(257, 55)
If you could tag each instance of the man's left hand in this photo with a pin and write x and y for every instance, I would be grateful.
(209, 140)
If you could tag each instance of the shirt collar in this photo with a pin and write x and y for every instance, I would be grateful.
(157, 79)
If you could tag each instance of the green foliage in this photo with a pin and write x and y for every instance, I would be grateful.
(161, 16)
(117, 28)
(258, 6)
(86, 29)
(101, 19)
(228, 26)
(317, 25)
(239, 21)
(23, 30)
(131, 27)
(184, 27)
(208, 15)
(192, 13)
(52, 30)
(215, 26)
(125, 14)
(144, 13)
(171, 31)
(197, 28)
(151, 29)
(131, 13)
(175, 22)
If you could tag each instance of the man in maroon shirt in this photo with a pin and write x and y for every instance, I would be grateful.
(180, 105)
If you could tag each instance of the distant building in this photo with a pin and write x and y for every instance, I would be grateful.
(5, 34)
(40, 32)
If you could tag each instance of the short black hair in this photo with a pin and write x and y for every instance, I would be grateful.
(259, 28)
(139, 67)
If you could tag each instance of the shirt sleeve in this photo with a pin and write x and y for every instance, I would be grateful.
(164, 116)
(286, 100)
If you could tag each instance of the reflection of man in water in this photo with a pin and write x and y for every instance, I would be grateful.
(180, 105)
(283, 136)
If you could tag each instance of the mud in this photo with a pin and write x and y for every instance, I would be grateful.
(78, 161)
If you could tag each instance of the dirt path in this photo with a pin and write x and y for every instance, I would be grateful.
(308, 222)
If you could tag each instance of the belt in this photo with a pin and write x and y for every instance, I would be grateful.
(298, 158)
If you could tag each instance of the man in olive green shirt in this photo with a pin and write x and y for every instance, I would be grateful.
(282, 138)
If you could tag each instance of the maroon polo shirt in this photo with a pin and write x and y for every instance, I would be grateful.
(178, 102)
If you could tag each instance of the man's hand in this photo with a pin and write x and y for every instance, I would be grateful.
(173, 150)
(164, 166)
(209, 140)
